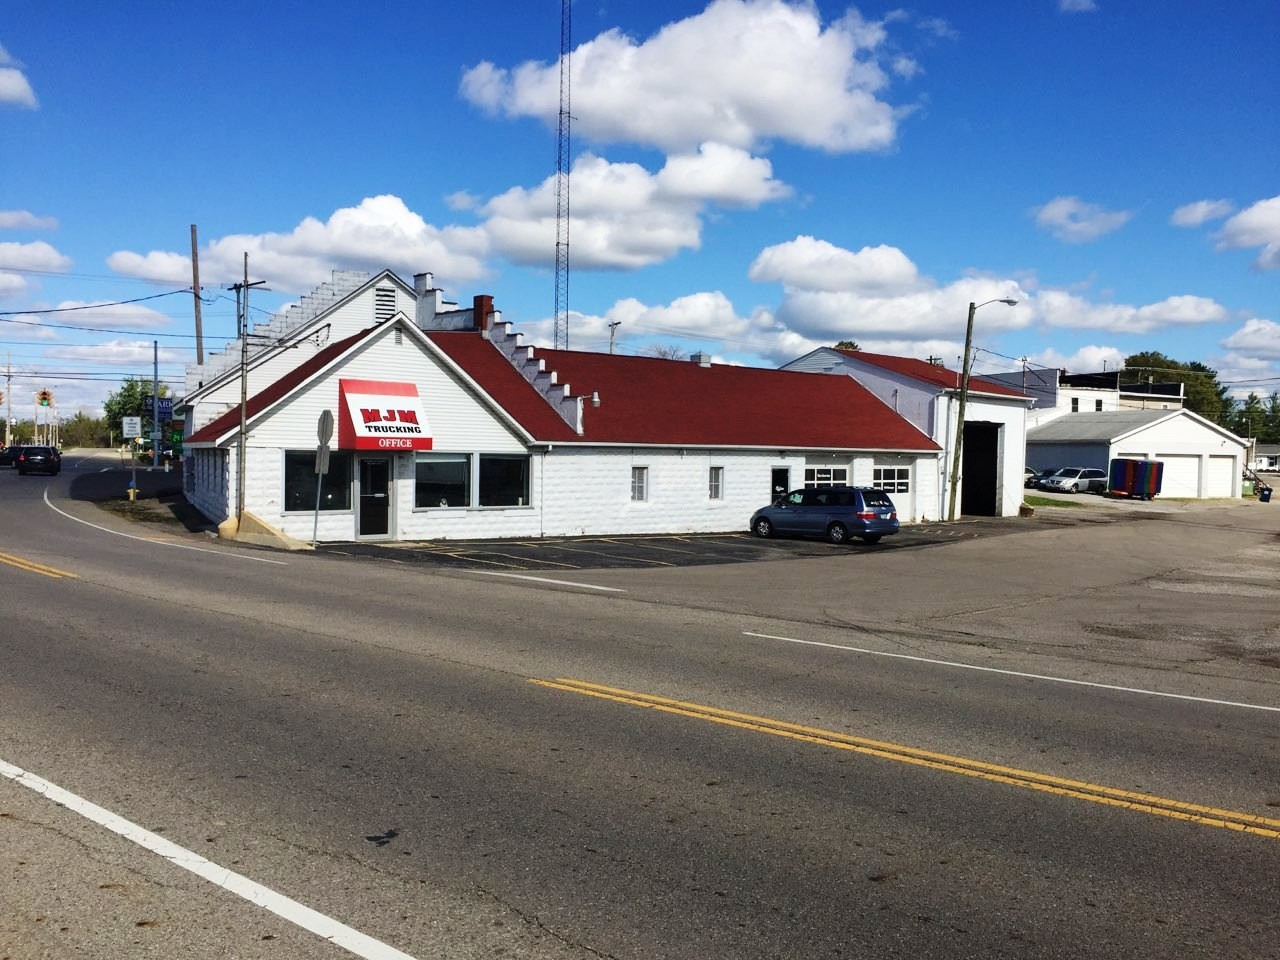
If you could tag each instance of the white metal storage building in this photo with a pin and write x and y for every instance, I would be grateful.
(1201, 459)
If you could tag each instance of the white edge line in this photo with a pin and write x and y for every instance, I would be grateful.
(332, 930)
(1016, 673)
(161, 543)
(558, 583)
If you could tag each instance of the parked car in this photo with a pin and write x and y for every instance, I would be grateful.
(9, 455)
(1075, 479)
(836, 513)
(1034, 478)
(39, 460)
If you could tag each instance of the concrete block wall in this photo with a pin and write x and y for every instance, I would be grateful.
(206, 480)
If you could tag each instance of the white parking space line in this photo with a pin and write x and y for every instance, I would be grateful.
(1017, 673)
(558, 583)
(336, 933)
(161, 543)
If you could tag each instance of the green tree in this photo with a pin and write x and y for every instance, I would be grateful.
(1204, 394)
(1271, 420)
(83, 430)
(847, 345)
(1250, 419)
(129, 401)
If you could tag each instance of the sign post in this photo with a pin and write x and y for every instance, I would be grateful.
(132, 427)
(324, 433)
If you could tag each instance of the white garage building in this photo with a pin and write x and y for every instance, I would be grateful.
(449, 427)
(927, 394)
(1201, 459)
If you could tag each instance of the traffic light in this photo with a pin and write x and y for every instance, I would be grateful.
(44, 397)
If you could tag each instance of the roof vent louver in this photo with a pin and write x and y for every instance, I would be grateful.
(384, 303)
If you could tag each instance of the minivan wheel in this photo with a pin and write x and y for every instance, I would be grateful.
(763, 529)
(872, 538)
(1075, 488)
(836, 533)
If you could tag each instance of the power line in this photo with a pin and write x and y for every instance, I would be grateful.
(92, 306)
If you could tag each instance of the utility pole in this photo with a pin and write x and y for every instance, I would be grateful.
(8, 397)
(613, 326)
(155, 403)
(242, 324)
(195, 293)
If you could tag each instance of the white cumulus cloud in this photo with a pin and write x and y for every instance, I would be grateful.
(741, 72)
(139, 352)
(1058, 308)
(807, 263)
(1202, 211)
(379, 233)
(1257, 226)
(1071, 220)
(15, 88)
(33, 256)
(1258, 338)
(1077, 6)
(79, 313)
(25, 220)
(622, 216)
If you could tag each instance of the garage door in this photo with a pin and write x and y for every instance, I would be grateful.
(1181, 476)
(1222, 473)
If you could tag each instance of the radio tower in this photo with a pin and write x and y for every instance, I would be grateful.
(561, 337)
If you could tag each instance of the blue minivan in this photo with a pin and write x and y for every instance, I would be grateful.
(836, 513)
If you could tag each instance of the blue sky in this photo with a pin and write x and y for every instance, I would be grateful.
(752, 178)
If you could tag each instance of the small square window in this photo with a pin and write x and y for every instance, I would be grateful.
(715, 483)
(639, 483)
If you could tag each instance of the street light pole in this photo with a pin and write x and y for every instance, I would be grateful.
(964, 400)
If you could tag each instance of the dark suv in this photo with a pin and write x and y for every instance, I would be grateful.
(9, 455)
(836, 513)
(38, 460)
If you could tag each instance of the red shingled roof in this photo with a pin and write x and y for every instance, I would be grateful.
(929, 372)
(645, 400)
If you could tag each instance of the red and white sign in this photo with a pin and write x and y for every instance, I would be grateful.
(381, 415)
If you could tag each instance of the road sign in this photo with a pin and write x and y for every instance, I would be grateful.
(166, 407)
(131, 426)
(324, 429)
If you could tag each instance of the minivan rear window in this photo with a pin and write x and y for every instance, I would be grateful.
(876, 499)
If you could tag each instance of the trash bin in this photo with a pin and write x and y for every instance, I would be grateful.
(1246, 488)
(1265, 494)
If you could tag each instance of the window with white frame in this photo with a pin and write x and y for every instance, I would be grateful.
(825, 476)
(639, 483)
(715, 483)
(895, 479)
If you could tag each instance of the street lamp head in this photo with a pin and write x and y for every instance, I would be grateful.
(1009, 302)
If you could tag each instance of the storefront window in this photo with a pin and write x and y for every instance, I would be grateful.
(825, 476)
(504, 480)
(300, 481)
(442, 480)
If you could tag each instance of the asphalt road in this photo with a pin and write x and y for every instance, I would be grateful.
(1058, 742)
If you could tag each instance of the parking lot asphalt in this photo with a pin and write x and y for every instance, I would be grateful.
(672, 550)
(160, 491)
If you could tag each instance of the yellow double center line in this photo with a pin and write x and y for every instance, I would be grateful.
(1027, 779)
(32, 567)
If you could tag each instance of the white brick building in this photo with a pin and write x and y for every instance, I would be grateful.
(450, 427)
